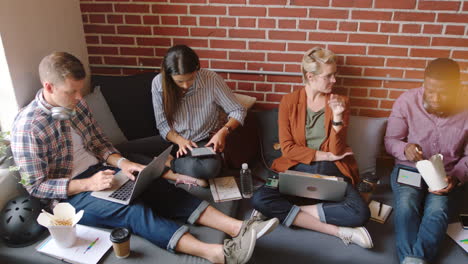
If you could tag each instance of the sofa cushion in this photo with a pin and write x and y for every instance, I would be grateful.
(129, 99)
(103, 115)
(268, 132)
(365, 137)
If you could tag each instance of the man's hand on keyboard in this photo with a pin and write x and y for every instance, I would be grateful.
(129, 167)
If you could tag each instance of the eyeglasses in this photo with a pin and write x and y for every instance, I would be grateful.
(329, 77)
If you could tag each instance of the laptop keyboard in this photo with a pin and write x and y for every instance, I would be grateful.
(124, 192)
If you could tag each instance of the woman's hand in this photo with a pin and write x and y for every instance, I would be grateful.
(184, 146)
(218, 140)
(328, 156)
(337, 105)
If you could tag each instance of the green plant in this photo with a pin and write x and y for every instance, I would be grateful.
(4, 143)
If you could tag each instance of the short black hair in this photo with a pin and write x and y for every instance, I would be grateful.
(444, 69)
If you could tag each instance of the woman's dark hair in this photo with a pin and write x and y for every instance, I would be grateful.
(179, 60)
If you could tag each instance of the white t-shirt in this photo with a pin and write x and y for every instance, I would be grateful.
(82, 158)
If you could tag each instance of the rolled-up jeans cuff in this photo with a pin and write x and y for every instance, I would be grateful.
(197, 212)
(291, 215)
(171, 246)
(321, 213)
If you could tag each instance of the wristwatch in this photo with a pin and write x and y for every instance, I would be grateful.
(229, 129)
(340, 123)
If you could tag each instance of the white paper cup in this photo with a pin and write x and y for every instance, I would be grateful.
(64, 236)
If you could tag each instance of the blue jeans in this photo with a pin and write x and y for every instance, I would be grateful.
(421, 219)
(150, 216)
(352, 211)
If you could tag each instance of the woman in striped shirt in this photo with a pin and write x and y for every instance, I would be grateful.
(187, 101)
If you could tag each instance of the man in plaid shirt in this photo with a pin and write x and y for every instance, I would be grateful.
(60, 148)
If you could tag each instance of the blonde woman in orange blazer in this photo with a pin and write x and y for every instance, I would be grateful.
(312, 131)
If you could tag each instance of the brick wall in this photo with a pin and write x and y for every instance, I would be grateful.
(373, 38)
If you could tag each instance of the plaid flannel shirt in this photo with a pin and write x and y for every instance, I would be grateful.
(42, 146)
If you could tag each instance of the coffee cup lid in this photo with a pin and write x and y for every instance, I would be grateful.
(119, 235)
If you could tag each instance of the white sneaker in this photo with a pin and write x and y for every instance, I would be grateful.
(357, 235)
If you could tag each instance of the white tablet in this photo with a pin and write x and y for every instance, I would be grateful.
(409, 177)
(203, 152)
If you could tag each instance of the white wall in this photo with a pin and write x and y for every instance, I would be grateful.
(29, 30)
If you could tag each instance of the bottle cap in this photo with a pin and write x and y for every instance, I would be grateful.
(245, 166)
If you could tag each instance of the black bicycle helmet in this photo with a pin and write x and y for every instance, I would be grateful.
(18, 221)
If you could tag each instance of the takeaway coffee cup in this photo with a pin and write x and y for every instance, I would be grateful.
(120, 238)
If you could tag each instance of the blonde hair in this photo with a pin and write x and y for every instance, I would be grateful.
(313, 60)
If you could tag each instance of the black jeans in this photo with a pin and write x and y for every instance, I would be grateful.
(352, 211)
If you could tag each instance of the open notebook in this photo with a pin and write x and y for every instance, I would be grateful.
(224, 189)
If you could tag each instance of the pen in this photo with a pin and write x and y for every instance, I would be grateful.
(418, 150)
(380, 209)
(91, 245)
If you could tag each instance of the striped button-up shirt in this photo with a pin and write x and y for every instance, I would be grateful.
(409, 122)
(42, 146)
(199, 108)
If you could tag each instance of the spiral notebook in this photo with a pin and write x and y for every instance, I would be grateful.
(224, 189)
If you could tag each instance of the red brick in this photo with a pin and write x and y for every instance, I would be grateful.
(410, 40)
(247, 11)
(386, 104)
(132, 19)
(246, 56)
(374, 113)
(103, 50)
(96, 8)
(240, 2)
(395, 4)
(115, 19)
(284, 79)
(274, 97)
(282, 88)
(266, 23)
(380, 93)
(105, 71)
(212, 54)
(134, 30)
(203, 43)
(460, 54)
(95, 60)
(153, 41)
(347, 49)
(169, 9)
(246, 86)
(383, 72)
(414, 16)
(411, 28)
(268, 2)
(92, 39)
(455, 30)
(283, 23)
(246, 22)
(228, 65)
(301, 47)
(188, 20)
(364, 102)
(327, 25)
(283, 58)
(406, 63)
(227, 22)
(359, 92)
(401, 85)
(371, 26)
(328, 13)
(431, 53)
(287, 35)
(99, 29)
(454, 18)
(259, 96)
(150, 61)
(170, 20)
(465, 6)
(170, 31)
(362, 82)
(151, 20)
(352, 3)
(310, 3)
(395, 94)
(287, 12)
(255, 66)
(137, 51)
(84, 18)
(120, 60)
(246, 77)
(345, 70)
(411, 74)
(208, 10)
(432, 29)
(348, 26)
(389, 27)
(117, 40)
(93, 18)
(263, 87)
(227, 44)
(132, 8)
(364, 61)
(246, 33)
(368, 38)
(337, 37)
(261, 45)
(454, 42)
(208, 32)
(208, 21)
(371, 15)
(438, 5)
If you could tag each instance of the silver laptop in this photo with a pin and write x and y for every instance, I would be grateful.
(124, 190)
(311, 186)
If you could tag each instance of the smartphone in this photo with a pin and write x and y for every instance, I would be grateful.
(203, 152)
(464, 220)
(272, 183)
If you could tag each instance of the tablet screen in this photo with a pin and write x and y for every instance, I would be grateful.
(409, 177)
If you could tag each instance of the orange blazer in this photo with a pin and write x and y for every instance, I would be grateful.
(291, 123)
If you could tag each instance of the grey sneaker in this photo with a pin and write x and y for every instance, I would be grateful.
(239, 250)
(260, 227)
(357, 235)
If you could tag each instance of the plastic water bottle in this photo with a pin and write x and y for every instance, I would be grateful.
(246, 181)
